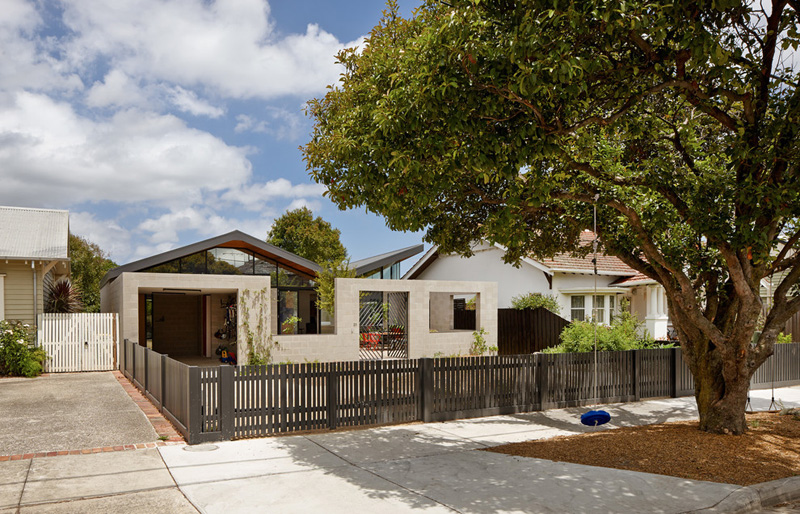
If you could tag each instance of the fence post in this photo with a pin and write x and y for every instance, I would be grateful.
(146, 381)
(163, 381)
(333, 395)
(637, 367)
(226, 402)
(124, 358)
(673, 372)
(133, 363)
(425, 388)
(541, 379)
(193, 397)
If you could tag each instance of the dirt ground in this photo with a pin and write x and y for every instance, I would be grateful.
(768, 451)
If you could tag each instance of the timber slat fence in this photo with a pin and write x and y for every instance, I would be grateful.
(527, 330)
(78, 342)
(231, 402)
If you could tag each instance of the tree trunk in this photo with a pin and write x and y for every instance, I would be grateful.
(721, 401)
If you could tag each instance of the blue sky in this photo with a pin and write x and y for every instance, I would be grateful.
(158, 123)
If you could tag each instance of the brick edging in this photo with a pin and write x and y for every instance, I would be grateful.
(87, 451)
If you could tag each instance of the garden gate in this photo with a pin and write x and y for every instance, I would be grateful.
(383, 325)
(78, 342)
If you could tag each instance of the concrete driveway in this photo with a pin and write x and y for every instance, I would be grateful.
(68, 411)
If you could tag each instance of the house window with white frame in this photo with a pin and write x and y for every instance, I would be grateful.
(602, 308)
(577, 312)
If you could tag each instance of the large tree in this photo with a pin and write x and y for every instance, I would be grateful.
(508, 120)
(299, 232)
(88, 264)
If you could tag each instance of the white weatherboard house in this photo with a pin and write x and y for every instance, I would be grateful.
(33, 253)
(569, 279)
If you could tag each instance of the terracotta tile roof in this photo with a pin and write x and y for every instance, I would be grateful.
(605, 263)
(639, 278)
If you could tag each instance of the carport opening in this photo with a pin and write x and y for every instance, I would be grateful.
(188, 325)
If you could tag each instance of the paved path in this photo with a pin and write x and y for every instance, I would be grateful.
(428, 467)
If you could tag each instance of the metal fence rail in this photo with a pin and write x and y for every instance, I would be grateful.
(229, 402)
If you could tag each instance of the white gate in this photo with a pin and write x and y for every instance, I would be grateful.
(79, 342)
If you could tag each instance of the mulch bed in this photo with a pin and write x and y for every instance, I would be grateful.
(768, 451)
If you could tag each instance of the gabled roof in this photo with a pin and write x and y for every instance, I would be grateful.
(639, 279)
(365, 266)
(235, 239)
(606, 264)
(32, 234)
(561, 263)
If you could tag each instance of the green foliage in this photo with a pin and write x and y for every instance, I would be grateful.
(326, 282)
(312, 238)
(62, 297)
(289, 324)
(88, 265)
(784, 338)
(623, 334)
(535, 300)
(17, 355)
(479, 346)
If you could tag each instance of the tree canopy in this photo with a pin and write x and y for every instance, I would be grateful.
(509, 120)
(88, 265)
(299, 232)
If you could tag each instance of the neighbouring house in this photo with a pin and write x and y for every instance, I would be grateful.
(190, 301)
(571, 280)
(34, 252)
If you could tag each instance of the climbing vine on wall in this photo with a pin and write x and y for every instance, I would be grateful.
(254, 316)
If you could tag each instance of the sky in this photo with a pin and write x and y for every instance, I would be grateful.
(160, 123)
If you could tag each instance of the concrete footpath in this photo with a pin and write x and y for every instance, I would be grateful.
(430, 467)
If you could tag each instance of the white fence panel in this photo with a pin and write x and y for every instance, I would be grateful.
(79, 342)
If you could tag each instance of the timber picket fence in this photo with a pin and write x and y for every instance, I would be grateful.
(231, 402)
(78, 342)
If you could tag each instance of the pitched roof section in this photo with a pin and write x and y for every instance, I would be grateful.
(30, 234)
(606, 264)
(639, 279)
(365, 266)
(235, 239)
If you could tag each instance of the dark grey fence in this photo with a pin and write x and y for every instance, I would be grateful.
(528, 330)
(230, 402)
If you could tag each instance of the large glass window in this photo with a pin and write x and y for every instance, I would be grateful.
(229, 261)
(577, 312)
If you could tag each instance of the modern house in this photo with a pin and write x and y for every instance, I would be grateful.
(190, 301)
(34, 247)
(571, 280)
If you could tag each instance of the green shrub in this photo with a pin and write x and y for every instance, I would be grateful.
(17, 354)
(784, 338)
(479, 346)
(623, 334)
(534, 300)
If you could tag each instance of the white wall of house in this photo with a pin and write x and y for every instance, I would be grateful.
(487, 265)
(569, 285)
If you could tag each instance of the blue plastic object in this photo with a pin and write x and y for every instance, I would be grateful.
(595, 417)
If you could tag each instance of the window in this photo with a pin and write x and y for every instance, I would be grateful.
(577, 312)
(611, 308)
(598, 308)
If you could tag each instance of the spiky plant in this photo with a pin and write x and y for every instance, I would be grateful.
(62, 297)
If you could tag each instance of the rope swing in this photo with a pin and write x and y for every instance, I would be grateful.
(594, 418)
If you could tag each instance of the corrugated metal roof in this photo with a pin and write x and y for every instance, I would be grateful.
(33, 233)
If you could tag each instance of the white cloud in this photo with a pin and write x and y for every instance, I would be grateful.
(134, 156)
(116, 90)
(107, 234)
(313, 205)
(255, 196)
(187, 101)
(229, 47)
(164, 230)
